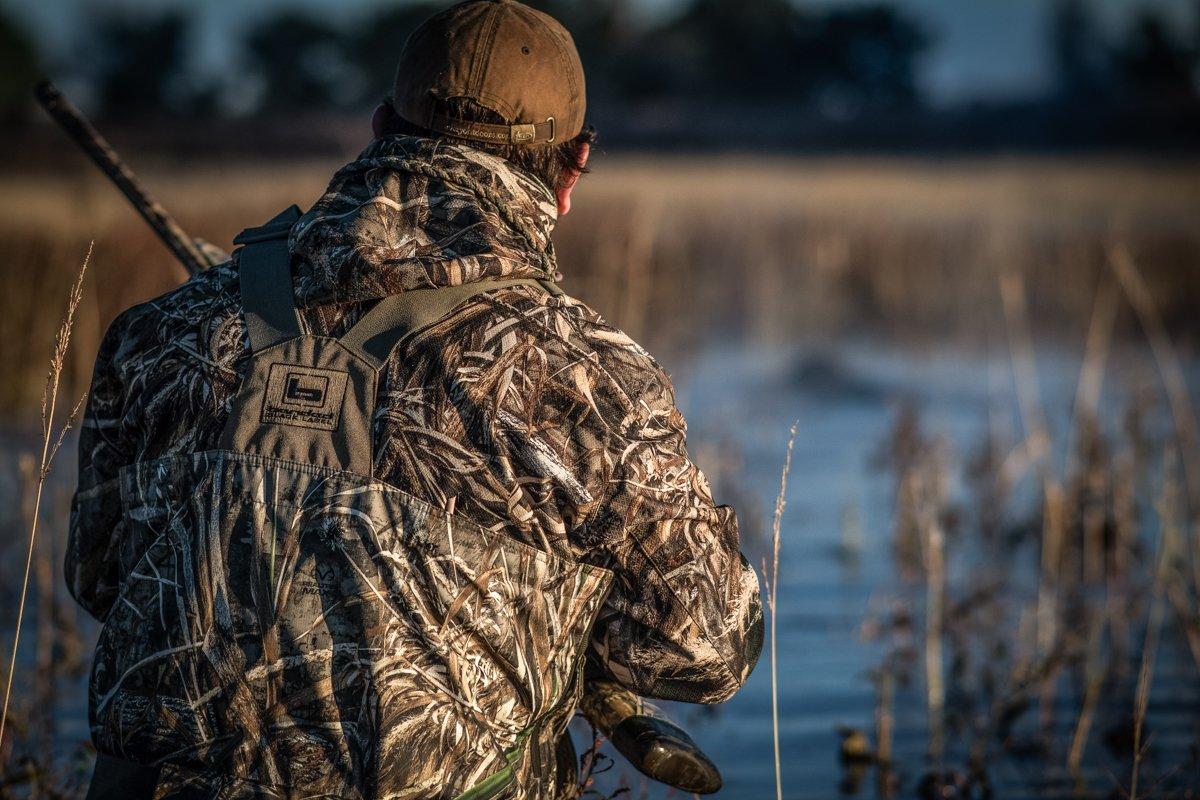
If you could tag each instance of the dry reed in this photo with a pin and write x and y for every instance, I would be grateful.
(1174, 384)
(1095, 590)
(1165, 547)
(934, 558)
(884, 719)
(771, 581)
(51, 442)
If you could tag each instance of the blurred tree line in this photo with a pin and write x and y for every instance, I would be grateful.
(721, 50)
(731, 62)
(1152, 63)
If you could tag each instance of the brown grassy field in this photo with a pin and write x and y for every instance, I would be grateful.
(676, 249)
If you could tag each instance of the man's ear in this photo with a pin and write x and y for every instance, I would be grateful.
(563, 195)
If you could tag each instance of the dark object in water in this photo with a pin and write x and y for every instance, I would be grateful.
(825, 376)
(856, 747)
(853, 778)
(1119, 738)
(856, 755)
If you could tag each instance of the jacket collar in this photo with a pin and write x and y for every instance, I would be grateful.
(412, 213)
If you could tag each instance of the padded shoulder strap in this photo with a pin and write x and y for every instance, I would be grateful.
(265, 278)
(395, 318)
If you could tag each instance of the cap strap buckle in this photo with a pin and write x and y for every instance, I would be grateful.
(523, 133)
(520, 134)
(532, 132)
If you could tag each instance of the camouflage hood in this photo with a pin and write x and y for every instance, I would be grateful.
(412, 213)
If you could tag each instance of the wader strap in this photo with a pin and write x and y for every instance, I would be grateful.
(265, 278)
(116, 777)
(395, 318)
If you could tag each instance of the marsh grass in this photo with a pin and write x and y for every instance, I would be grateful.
(1108, 525)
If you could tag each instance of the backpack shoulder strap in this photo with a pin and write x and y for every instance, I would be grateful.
(265, 280)
(395, 318)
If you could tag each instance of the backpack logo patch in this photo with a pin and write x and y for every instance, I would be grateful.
(305, 390)
(308, 397)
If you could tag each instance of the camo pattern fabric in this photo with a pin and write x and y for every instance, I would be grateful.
(302, 632)
(522, 413)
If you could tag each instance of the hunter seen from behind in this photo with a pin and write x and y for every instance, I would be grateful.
(803, 404)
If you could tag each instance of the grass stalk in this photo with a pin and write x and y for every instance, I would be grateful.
(935, 598)
(1164, 557)
(1037, 443)
(1182, 604)
(46, 636)
(771, 579)
(1096, 349)
(884, 717)
(1171, 372)
(51, 443)
(1145, 678)
(1096, 674)
(1084, 414)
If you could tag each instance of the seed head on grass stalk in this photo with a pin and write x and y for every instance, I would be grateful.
(50, 446)
(771, 581)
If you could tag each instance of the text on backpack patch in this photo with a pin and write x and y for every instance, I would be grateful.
(308, 397)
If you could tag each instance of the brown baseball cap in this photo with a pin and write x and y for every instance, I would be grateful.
(504, 55)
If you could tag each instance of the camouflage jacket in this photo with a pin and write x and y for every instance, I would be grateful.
(522, 412)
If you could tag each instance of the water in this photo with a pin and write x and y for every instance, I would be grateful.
(750, 398)
(845, 403)
(743, 399)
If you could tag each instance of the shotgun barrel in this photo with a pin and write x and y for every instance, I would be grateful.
(101, 153)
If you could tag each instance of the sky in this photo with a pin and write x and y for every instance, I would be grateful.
(984, 49)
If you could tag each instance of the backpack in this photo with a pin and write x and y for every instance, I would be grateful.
(291, 626)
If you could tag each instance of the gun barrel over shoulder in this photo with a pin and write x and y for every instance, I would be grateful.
(71, 120)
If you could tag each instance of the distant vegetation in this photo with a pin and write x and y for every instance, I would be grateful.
(767, 72)
(777, 250)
